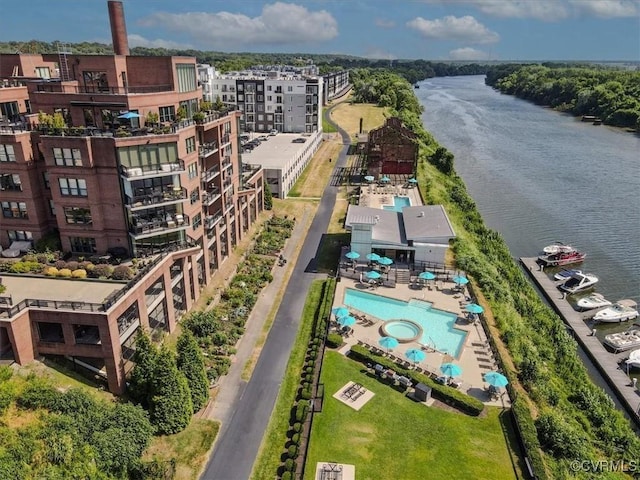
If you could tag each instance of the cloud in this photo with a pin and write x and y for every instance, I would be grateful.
(140, 41)
(278, 24)
(607, 8)
(462, 29)
(467, 53)
(550, 10)
(382, 23)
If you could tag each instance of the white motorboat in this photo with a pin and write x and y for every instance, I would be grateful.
(578, 282)
(634, 359)
(556, 248)
(595, 300)
(620, 311)
(565, 274)
(622, 341)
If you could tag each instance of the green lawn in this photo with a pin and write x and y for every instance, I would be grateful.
(392, 437)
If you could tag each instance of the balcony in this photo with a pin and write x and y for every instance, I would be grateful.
(225, 139)
(210, 174)
(158, 198)
(207, 149)
(152, 170)
(228, 206)
(226, 162)
(212, 220)
(57, 87)
(149, 226)
(227, 184)
(211, 196)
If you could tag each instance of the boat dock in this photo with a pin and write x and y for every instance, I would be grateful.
(606, 362)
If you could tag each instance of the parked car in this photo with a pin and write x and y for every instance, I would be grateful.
(299, 140)
(273, 132)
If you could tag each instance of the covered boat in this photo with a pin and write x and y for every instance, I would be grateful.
(623, 341)
(561, 258)
(578, 282)
(565, 274)
(595, 300)
(557, 247)
(620, 311)
(634, 359)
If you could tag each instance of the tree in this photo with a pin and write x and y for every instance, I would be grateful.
(268, 198)
(170, 406)
(191, 363)
(145, 360)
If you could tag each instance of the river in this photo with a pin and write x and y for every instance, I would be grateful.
(539, 176)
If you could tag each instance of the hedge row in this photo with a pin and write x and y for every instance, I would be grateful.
(444, 393)
(529, 437)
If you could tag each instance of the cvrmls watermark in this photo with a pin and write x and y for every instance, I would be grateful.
(605, 466)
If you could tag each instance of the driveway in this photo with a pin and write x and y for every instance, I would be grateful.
(237, 445)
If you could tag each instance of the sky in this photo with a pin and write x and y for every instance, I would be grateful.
(434, 30)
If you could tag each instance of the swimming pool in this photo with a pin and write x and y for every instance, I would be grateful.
(398, 204)
(438, 329)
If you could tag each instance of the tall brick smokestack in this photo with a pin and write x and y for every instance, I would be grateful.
(118, 28)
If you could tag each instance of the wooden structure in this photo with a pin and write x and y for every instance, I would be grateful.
(392, 149)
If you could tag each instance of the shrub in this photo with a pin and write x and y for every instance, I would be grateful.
(306, 394)
(86, 265)
(65, 273)
(60, 264)
(51, 271)
(79, 273)
(29, 257)
(122, 272)
(39, 395)
(102, 271)
(73, 265)
(297, 427)
(292, 451)
(286, 476)
(334, 340)
(25, 267)
(296, 438)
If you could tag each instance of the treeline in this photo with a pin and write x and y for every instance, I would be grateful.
(412, 70)
(562, 415)
(611, 95)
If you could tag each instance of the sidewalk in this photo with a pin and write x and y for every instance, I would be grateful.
(231, 386)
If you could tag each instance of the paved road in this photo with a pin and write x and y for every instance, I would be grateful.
(238, 443)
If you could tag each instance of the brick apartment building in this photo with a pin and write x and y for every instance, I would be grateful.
(169, 189)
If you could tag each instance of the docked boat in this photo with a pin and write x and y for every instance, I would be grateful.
(578, 282)
(557, 247)
(621, 311)
(634, 359)
(562, 258)
(623, 341)
(595, 300)
(565, 274)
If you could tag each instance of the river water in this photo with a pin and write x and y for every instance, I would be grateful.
(539, 176)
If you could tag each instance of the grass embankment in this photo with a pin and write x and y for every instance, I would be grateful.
(348, 115)
(394, 437)
(316, 175)
(273, 441)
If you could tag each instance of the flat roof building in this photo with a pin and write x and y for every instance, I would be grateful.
(116, 165)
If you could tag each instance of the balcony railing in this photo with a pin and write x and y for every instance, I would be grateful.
(226, 162)
(213, 116)
(210, 174)
(153, 170)
(207, 149)
(149, 226)
(227, 184)
(225, 139)
(211, 196)
(57, 87)
(212, 220)
(228, 206)
(175, 194)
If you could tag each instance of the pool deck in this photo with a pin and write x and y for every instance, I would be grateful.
(476, 357)
(376, 196)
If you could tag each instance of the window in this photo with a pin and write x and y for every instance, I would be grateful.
(16, 235)
(193, 170)
(289, 88)
(83, 245)
(259, 87)
(197, 221)
(76, 187)
(45, 178)
(269, 87)
(269, 98)
(191, 144)
(69, 157)
(260, 98)
(186, 73)
(240, 87)
(7, 153)
(52, 208)
(168, 113)
(10, 181)
(43, 72)
(195, 195)
(95, 81)
(78, 215)
(14, 210)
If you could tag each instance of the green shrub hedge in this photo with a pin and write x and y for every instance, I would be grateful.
(334, 340)
(444, 393)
